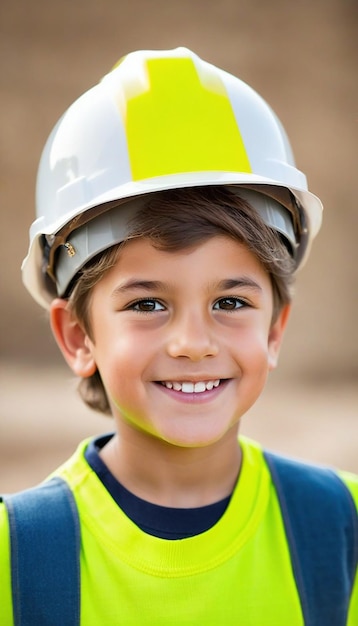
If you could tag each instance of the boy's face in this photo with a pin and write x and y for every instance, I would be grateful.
(183, 341)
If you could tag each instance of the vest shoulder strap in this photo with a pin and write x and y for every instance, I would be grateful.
(45, 548)
(321, 525)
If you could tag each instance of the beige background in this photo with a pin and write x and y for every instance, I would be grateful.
(302, 58)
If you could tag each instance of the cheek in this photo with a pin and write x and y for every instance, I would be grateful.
(252, 347)
(122, 361)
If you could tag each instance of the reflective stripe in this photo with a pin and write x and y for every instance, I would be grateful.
(196, 101)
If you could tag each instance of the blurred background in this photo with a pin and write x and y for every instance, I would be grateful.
(302, 58)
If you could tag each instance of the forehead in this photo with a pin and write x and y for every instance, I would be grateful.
(214, 259)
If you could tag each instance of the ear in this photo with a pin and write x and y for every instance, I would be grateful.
(276, 335)
(72, 340)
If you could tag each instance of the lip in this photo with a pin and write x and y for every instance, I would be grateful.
(191, 398)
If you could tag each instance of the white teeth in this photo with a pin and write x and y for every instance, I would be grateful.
(199, 387)
(188, 387)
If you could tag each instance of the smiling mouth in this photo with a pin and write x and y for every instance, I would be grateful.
(190, 387)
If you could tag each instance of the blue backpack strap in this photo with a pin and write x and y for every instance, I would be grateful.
(45, 546)
(321, 525)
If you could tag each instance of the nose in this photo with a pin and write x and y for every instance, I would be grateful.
(192, 336)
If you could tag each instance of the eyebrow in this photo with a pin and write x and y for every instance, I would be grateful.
(243, 281)
(139, 285)
(157, 285)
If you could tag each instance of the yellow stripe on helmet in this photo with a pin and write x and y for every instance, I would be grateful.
(179, 119)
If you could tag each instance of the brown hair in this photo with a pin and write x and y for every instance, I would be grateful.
(178, 219)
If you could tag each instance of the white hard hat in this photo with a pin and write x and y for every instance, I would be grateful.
(159, 120)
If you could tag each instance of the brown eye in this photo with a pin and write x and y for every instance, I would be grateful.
(229, 304)
(147, 306)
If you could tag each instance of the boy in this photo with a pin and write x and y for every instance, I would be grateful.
(171, 220)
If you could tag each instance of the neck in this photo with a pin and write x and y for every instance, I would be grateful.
(173, 476)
